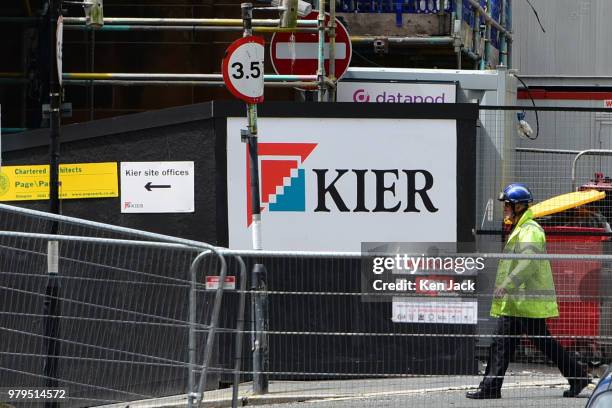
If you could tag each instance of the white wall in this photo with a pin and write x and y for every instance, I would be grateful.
(578, 38)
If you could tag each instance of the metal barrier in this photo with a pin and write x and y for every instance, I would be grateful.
(114, 315)
(131, 319)
(569, 147)
(135, 323)
(331, 342)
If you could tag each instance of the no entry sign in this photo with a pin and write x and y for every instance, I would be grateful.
(296, 53)
(243, 69)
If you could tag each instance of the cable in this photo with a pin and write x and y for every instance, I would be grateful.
(367, 60)
(534, 105)
(537, 16)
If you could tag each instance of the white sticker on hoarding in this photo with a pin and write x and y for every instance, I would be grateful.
(428, 311)
(212, 282)
(157, 187)
(331, 184)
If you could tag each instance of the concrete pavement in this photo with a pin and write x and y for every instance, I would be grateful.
(525, 387)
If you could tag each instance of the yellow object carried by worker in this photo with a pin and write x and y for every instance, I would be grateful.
(565, 201)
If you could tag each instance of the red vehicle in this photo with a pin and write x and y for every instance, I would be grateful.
(601, 183)
(604, 206)
(578, 231)
(574, 225)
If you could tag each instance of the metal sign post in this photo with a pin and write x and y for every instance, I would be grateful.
(52, 306)
(258, 277)
(243, 75)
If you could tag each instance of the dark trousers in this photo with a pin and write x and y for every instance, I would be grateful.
(508, 334)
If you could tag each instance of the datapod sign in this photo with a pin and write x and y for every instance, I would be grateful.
(396, 92)
(332, 183)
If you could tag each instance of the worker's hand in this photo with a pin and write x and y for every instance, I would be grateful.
(499, 293)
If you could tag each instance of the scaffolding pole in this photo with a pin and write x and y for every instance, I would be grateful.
(331, 32)
(222, 22)
(321, 53)
(212, 80)
(503, 28)
(476, 38)
(490, 21)
(176, 77)
(404, 41)
(20, 20)
(487, 45)
(186, 28)
(122, 82)
(13, 130)
(509, 25)
(503, 49)
(457, 31)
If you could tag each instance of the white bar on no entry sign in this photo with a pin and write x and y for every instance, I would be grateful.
(287, 50)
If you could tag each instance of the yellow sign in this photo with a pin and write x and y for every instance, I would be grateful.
(77, 181)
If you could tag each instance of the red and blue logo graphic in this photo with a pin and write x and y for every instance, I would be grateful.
(283, 180)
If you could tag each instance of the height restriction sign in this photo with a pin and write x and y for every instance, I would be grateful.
(243, 69)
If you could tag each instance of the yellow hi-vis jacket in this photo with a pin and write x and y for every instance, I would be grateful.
(529, 285)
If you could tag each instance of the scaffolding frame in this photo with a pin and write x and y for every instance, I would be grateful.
(322, 82)
(481, 33)
(319, 81)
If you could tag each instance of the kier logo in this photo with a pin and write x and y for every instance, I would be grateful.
(283, 179)
(283, 184)
(129, 204)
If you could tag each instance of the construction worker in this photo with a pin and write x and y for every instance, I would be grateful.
(524, 297)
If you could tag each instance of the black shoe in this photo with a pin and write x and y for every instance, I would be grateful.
(483, 394)
(576, 387)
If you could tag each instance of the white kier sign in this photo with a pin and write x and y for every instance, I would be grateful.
(157, 187)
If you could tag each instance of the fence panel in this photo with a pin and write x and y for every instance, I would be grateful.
(122, 311)
(124, 301)
(330, 341)
(548, 164)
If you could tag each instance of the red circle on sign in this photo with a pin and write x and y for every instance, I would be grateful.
(225, 68)
(298, 56)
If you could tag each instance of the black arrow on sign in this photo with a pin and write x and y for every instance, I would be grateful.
(149, 186)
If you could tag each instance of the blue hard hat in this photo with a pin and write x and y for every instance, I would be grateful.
(516, 193)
